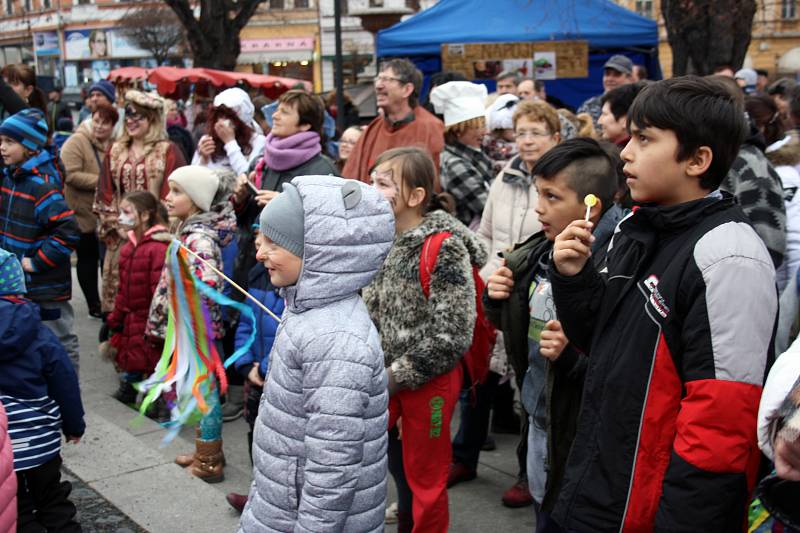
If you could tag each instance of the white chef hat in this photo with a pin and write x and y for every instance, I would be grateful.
(500, 115)
(459, 101)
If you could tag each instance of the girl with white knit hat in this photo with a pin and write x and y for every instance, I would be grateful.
(199, 198)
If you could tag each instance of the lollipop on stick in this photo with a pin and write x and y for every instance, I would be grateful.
(590, 200)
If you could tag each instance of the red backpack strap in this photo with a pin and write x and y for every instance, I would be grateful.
(428, 257)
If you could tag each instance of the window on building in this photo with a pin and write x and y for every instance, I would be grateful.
(301, 4)
(645, 8)
(46, 4)
(9, 7)
(343, 7)
(28, 5)
(375, 3)
(83, 2)
(789, 9)
(276, 4)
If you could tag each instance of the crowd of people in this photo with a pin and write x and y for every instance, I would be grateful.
(455, 253)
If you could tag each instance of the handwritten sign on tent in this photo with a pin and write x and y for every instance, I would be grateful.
(485, 60)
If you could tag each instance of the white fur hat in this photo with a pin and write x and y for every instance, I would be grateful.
(237, 100)
(198, 182)
(500, 115)
(459, 101)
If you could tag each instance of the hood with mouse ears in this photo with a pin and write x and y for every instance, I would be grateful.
(349, 230)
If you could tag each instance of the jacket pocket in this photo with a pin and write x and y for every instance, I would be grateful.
(291, 484)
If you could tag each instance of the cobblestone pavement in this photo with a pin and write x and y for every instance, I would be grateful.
(95, 513)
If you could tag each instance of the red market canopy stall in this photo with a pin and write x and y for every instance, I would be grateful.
(128, 75)
(172, 80)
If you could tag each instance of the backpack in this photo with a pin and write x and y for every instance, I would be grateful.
(476, 358)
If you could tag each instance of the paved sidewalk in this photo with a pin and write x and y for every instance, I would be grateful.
(126, 464)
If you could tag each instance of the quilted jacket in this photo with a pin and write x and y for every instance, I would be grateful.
(319, 447)
(140, 266)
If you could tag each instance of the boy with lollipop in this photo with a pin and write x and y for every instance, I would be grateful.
(666, 439)
(575, 179)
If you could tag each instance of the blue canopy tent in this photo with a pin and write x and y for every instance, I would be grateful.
(609, 29)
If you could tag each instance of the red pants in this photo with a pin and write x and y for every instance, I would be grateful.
(427, 451)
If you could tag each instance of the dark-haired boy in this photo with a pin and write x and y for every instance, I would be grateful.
(519, 301)
(614, 114)
(677, 327)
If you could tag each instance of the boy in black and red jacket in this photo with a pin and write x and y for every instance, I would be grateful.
(677, 328)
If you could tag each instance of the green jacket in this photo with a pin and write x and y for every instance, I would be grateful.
(565, 376)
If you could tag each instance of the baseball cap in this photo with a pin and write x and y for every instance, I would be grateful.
(620, 63)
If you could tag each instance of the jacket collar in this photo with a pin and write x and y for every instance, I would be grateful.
(516, 173)
(650, 219)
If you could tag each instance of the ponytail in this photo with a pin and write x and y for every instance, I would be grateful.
(443, 201)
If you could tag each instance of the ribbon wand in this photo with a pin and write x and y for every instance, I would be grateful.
(233, 283)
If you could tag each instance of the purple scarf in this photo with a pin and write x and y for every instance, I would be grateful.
(288, 152)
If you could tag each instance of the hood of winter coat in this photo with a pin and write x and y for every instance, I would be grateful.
(785, 152)
(348, 232)
(18, 328)
(219, 222)
(437, 222)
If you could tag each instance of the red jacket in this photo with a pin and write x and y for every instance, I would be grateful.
(140, 266)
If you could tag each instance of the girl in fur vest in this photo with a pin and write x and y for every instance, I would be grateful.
(198, 198)
(140, 263)
(423, 338)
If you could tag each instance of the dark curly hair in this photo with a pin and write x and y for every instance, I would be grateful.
(242, 131)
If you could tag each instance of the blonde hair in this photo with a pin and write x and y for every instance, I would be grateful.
(586, 126)
(454, 131)
(538, 111)
(157, 130)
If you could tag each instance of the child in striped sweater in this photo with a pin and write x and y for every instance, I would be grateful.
(39, 390)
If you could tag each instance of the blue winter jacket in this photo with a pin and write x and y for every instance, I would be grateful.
(38, 385)
(266, 326)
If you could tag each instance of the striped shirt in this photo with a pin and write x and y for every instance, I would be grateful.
(34, 426)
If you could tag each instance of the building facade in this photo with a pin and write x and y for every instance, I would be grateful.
(283, 39)
(775, 44)
(72, 42)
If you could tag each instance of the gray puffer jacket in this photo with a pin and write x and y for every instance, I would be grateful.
(319, 446)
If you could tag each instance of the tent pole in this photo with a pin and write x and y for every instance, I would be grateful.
(337, 64)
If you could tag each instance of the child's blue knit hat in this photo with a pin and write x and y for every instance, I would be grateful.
(28, 127)
(12, 279)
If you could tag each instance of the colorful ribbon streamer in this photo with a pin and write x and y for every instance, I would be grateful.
(190, 360)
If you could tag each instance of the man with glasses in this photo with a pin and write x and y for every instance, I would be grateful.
(401, 121)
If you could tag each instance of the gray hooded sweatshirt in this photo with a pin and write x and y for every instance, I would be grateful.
(319, 446)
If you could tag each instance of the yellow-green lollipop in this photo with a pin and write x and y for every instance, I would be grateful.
(590, 200)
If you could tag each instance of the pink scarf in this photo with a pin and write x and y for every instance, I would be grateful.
(288, 152)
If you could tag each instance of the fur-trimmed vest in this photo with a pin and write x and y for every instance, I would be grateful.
(425, 337)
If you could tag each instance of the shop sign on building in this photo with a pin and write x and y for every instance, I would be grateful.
(101, 43)
(277, 45)
(46, 43)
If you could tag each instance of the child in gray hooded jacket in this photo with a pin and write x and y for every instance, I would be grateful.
(319, 446)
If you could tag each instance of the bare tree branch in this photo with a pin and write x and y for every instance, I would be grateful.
(156, 30)
(214, 36)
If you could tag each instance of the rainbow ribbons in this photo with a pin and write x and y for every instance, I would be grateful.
(190, 360)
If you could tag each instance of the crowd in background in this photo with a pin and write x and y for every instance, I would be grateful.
(488, 182)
